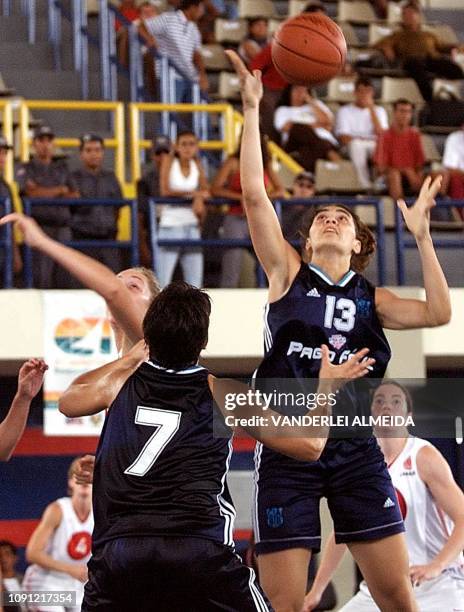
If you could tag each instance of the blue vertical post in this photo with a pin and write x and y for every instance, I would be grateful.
(54, 31)
(84, 43)
(6, 8)
(112, 57)
(164, 91)
(135, 65)
(30, 11)
(196, 99)
(153, 235)
(381, 263)
(104, 50)
(76, 27)
(8, 231)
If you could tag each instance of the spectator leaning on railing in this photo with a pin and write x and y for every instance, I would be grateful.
(43, 177)
(176, 35)
(96, 182)
(399, 154)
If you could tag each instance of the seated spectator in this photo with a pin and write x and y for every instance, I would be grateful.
(357, 127)
(10, 579)
(304, 124)
(182, 176)
(227, 185)
(303, 188)
(96, 182)
(149, 187)
(399, 154)
(255, 40)
(453, 161)
(43, 177)
(419, 52)
(5, 192)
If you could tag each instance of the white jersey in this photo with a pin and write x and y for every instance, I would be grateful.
(71, 543)
(427, 527)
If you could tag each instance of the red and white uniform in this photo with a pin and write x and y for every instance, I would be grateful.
(71, 543)
(427, 531)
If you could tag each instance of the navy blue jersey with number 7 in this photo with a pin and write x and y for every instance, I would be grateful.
(159, 469)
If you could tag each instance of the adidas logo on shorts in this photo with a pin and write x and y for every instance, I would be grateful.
(313, 293)
(389, 503)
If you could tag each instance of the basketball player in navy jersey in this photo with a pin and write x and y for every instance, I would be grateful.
(163, 514)
(328, 301)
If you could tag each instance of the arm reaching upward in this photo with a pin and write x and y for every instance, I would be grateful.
(280, 261)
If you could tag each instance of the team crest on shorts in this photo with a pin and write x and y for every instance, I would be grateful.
(337, 341)
(275, 517)
(363, 308)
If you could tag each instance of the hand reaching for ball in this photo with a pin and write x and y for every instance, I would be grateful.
(251, 86)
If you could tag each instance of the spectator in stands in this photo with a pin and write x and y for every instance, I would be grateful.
(5, 192)
(182, 176)
(273, 82)
(358, 126)
(255, 40)
(149, 187)
(227, 185)
(10, 579)
(43, 177)
(303, 188)
(305, 127)
(453, 161)
(176, 35)
(399, 154)
(30, 379)
(96, 182)
(419, 52)
(129, 10)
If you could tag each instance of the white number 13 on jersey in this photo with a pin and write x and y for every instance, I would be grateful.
(167, 423)
(347, 308)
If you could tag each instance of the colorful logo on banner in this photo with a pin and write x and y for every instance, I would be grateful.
(77, 338)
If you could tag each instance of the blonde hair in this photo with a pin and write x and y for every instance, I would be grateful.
(150, 277)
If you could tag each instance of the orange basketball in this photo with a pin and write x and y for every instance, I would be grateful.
(308, 49)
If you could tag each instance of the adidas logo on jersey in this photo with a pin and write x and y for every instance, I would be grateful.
(313, 293)
(389, 503)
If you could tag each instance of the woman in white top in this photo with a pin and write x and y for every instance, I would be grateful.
(305, 125)
(432, 505)
(182, 176)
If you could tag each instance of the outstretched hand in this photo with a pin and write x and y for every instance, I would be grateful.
(30, 377)
(251, 86)
(417, 217)
(357, 366)
(29, 228)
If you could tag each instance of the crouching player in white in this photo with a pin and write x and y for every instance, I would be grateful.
(432, 505)
(60, 547)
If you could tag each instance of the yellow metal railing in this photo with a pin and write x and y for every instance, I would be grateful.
(137, 144)
(6, 109)
(116, 142)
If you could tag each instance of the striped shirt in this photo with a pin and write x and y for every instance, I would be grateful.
(178, 38)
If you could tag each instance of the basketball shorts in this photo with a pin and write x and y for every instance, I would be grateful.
(351, 474)
(170, 574)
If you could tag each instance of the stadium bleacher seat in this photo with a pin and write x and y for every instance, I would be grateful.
(214, 57)
(229, 86)
(442, 88)
(229, 30)
(378, 31)
(444, 32)
(356, 11)
(394, 12)
(444, 4)
(337, 176)
(351, 37)
(430, 148)
(341, 89)
(393, 88)
(295, 7)
(251, 8)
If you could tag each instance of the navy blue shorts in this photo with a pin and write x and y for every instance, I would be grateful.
(170, 574)
(351, 474)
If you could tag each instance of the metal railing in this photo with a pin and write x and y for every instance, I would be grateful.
(404, 241)
(6, 109)
(132, 245)
(6, 246)
(229, 243)
(115, 108)
(139, 143)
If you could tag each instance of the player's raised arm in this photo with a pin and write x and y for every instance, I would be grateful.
(30, 380)
(279, 260)
(96, 390)
(90, 272)
(305, 442)
(399, 313)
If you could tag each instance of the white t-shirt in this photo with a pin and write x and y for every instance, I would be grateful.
(305, 115)
(176, 216)
(354, 121)
(453, 156)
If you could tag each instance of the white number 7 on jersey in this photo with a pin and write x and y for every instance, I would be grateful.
(167, 423)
